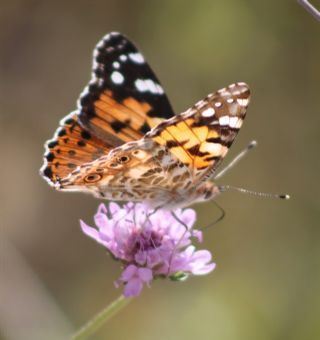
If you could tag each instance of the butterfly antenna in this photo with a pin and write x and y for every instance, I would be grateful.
(243, 153)
(255, 193)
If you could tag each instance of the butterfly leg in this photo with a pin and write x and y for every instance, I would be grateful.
(150, 214)
(243, 153)
(178, 220)
(180, 239)
(220, 218)
(132, 207)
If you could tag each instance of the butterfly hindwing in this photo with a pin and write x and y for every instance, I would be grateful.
(71, 146)
(201, 136)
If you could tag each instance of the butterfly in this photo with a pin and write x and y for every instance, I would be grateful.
(125, 143)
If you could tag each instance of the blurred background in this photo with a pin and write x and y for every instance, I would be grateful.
(266, 285)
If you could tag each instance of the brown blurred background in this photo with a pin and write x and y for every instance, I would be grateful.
(267, 281)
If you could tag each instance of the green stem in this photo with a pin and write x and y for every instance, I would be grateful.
(98, 320)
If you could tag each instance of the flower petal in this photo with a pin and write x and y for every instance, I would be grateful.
(206, 269)
(141, 257)
(145, 274)
(101, 220)
(133, 287)
(202, 256)
(114, 208)
(129, 273)
(198, 235)
(199, 262)
(89, 231)
(189, 216)
(102, 209)
(153, 258)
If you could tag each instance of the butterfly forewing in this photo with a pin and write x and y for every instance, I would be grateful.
(122, 102)
(124, 97)
(201, 137)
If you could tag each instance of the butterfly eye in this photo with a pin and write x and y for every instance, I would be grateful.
(92, 178)
(123, 159)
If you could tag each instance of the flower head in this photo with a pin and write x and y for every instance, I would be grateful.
(149, 243)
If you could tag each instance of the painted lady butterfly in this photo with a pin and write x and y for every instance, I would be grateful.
(125, 142)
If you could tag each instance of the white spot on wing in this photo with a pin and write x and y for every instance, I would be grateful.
(239, 123)
(151, 86)
(140, 85)
(123, 57)
(148, 85)
(100, 44)
(136, 58)
(214, 148)
(160, 89)
(217, 104)
(224, 92)
(208, 112)
(224, 120)
(117, 77)
(243, 101)
(200, 104)
(233, 122)
(116, 64)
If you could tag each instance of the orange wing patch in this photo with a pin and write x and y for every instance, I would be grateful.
(201, 137)
(118, 122)
(190, 144)
(71, 146)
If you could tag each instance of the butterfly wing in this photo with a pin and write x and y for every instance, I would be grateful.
(70, 147)
(124, 99)
(201, 136)
(122, 102)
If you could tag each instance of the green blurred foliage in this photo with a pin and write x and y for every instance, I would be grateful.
(266, 285)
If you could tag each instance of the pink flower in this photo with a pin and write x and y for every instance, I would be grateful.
(149, 243)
